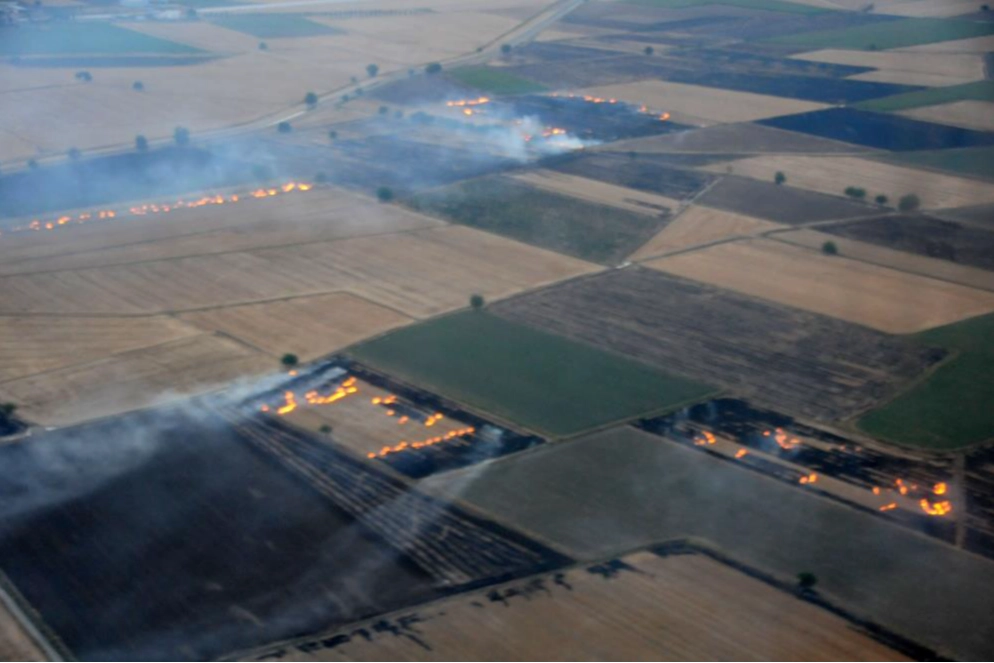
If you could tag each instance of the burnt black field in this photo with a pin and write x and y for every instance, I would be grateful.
(882, 131)
(175, 535)
(645, 172)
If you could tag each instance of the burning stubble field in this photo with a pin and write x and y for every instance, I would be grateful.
(651, 597)
(544, 382)
(624, 489)
(785, 358)
(177, 555)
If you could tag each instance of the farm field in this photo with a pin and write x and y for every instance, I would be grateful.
(933, 267)
(975, 91)
(623, 489)
(134, 379)
(599, 192)
(590, 231)
(951, 408)
(962, 243)
(15, 643)
(877, 130)
(832, 175)
(495, 81)
(701, 225)
(917, 8)
(547, 383)
(271, 25)
(653, 173)
(783, 204)
(713, 105)
(77, 38)
(977, 115)
(309, 327)
(651, 599)
(977, 161)
(969, 45)
(890, 34)
(870, 295)
(907, 67)
(802, 7)
(739, 139)
(751, 347)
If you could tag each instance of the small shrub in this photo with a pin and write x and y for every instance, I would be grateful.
(648, 50)
(779, 178)
(384, 194)
(477, 302)
(284, 127)
(855, 192)
(332, 135)
(325, 429)
(909, 203)
(881, 200)
(311, 99)
(433, 68)
(74, 153)
(263, 46)
(372, 70)
(181, 135)
(806, 580)
(505, 49)
(141, 143)
(138, 86)
(84, 76)
(830, 249)
(384, 110)
(289, 360)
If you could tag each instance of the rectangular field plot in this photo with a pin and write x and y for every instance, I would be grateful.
(81, 38)
(890, 34)
(833, 175)
(977, 161)
(194, 536)
(768, 5)
(783, 204)
(788, 359)
(547, 383)
(886, 132)
(925, 236)
(977, 91)
(495, 81)
(740, 139)
(870, 295)
(645, 172)
(941, 69)
(650, 599)
(271, 26)
(562, 223)
(952, 408)
(978, 115)
(702, 225)
(624, 489)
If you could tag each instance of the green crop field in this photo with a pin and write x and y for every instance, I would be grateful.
(978, 91)
(954, 406)
(495, 81)
(889, 34)
(976, 161)
(272, 26)
(546, 383)
(598, 233)
(82, 38)
(770, 5)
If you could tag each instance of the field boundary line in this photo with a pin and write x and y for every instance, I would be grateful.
(40, 633)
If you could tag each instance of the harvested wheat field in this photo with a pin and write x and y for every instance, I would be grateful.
(641, 607)
(971, 45)
(132, 380)
(833, 174)
(702, 225)
(712, 104)
(836, 286)
(969, 114)
(420, 273)
(320, 214)
(15, 643)
(597, 191)
(940, 69)
(927, 8)
(31, 345)
(943, 270)
(364, 424)
(309, 327)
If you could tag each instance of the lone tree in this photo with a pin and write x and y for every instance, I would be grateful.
(830, 249)
(33, 164)
(806, 580)
(372, 70)
(138, 86)
(7, 410)
(855, 192)
(881, 200)
(477, 302)
(311, 99)
(648, 50)
(325, 429)
(74, 153)
(909, 203)
(141, 143)
(433, 68)
(263, 46)
(84, 76)
(779, 178)
(384, 110)
(289, 360)
(332, 135)
(505, 49)
(384, 194)
(284, 127)
(181, 135)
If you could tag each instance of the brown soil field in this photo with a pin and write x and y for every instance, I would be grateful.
(971, 45)
(878, 297)
(968, 114)
(784, 358)
(933, 68)
(709, 103)
(833, 174)
(39, 344)
(319, 215)
(15, 643)
(600, 192)
(420, 273)
(906, 262)
(702, 225)
(783, 204)
(738, 139)
(364, 427)
(309, 327)
(640, 607)
(133, 379)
